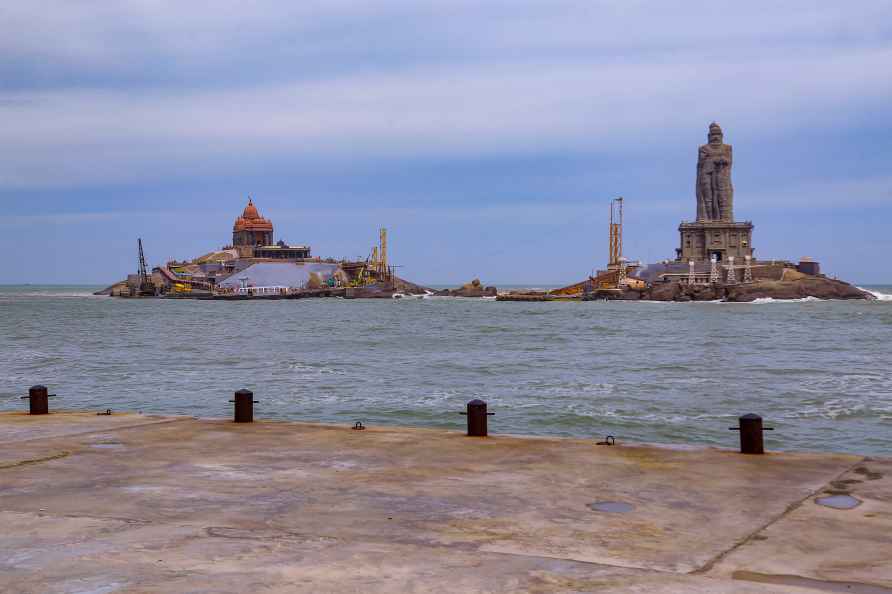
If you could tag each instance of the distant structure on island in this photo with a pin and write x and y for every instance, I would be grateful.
(253, 266)
(251, 229)
(252, 237)
(715, 233)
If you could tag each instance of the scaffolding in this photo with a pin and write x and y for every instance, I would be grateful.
(714, 276)
(616, 233)
(732, 276)
(383, 272)
(748, 270)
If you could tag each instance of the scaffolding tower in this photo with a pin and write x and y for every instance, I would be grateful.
(714, 270)
(732, 276)
(748, 270)
(382, 253)
(616, 233)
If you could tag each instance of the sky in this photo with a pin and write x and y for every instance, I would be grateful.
(488, 137)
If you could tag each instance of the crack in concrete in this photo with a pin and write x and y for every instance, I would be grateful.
(787, 511)
(19, 463)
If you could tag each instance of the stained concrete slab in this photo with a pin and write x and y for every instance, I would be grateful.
(212, 506)
(851, 548)
(16, 427)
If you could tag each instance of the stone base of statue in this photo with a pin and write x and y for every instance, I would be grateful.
(703, 240)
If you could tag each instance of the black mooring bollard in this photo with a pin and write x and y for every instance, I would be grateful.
(38, 400)
(751, 428)
(244, 406)
(477, 418)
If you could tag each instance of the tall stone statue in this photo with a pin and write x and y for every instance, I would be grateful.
(715, 194)
(715, 234)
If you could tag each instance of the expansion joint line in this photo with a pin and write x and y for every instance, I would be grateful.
(18, 463)
(787, 511)
(102, 430)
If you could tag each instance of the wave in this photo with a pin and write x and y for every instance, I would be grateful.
(878, 295)
(761, 300)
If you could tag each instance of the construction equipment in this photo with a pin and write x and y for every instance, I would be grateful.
(620, 271)
(382, 254)
(146, 286)
(616, 234)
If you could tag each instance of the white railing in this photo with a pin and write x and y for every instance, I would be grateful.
(273, 290)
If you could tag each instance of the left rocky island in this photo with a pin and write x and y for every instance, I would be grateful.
(256, 266)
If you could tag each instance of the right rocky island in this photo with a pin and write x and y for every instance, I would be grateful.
(715, 258)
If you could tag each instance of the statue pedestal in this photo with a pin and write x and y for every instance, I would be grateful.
(703, 239)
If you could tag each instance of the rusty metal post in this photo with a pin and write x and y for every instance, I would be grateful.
(751, 429)
(244, 406)
(38, 400)
(477, 418)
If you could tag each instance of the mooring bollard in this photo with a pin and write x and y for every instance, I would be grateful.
(38, 400)
(244, 406)
(751, 434)
(477, 418)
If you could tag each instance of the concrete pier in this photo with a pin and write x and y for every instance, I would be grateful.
(133, 503)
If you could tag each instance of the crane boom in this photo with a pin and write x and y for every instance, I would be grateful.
(146, 286)
(143, 274)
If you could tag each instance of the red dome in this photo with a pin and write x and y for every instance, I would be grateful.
(251, 220)
(250, 211)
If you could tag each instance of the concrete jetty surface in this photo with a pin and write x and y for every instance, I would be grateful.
(133, 503)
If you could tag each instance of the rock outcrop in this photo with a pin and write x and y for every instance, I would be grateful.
(805, 286)
(471, 289)
(794, 286)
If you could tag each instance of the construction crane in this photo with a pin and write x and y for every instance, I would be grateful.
(146, 286)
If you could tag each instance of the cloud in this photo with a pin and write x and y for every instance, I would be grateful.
(501, 121)
(91, 136)
(869, 192)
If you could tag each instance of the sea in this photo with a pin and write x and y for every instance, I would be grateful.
(680, 374)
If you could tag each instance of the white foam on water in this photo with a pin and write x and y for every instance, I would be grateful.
(762, 300)
(878, 295)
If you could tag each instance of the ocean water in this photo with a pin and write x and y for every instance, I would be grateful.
(819, 372)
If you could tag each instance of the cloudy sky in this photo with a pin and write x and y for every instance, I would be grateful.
(489, 137)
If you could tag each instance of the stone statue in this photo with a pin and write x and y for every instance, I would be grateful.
(715, 194)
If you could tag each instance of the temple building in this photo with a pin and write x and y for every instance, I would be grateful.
(251, 230)
(715, 233)
(252, 237)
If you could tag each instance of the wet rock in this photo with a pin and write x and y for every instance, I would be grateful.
(472, 289)
(798, 288)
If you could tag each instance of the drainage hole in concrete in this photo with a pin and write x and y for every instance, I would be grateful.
(838, 501)
(613, 507)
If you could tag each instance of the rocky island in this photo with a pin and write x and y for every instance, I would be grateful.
(715, 259)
